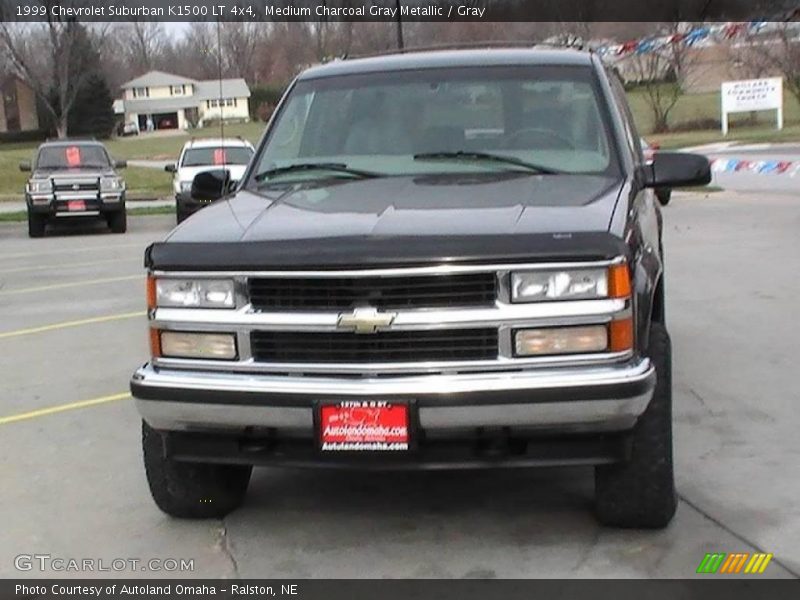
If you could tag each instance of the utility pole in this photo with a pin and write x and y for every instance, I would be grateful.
(399, 23)
(219, 77)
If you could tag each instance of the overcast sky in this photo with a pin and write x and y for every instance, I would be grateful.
(175, 28)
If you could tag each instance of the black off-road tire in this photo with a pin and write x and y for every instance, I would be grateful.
(118, 221)
(640, 493)
(36, 225)
(191, 490)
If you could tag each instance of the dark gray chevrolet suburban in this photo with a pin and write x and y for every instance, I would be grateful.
(435, 260)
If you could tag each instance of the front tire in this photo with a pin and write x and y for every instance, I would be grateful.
(191, 490)
(640, 493)
(118, 221)
(36, 225)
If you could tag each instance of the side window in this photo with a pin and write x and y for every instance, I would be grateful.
(631, 134)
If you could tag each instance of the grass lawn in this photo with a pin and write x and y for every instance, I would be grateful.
(695, 107)
(759, 134)
(141, 182)
(147, 183)
(169, 146)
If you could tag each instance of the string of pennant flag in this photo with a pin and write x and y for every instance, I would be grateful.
(763, 167)
(700, 35)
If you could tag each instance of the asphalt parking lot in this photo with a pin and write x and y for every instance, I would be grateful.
(72, 329)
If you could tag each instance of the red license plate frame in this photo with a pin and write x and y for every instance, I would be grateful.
(76, 205)
(364, 426)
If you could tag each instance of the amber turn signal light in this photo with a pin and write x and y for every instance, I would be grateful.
(155, 342)
(151, 291)
(620, 335)
(619, 281)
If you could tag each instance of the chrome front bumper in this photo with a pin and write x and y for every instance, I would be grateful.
(591, 398)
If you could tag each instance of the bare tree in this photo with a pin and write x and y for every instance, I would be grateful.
(45, 56)
(775, 53)
(660, 71)
(200, 44)
(240, 42)
(143, 43)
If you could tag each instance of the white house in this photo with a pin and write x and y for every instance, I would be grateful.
(171, 101)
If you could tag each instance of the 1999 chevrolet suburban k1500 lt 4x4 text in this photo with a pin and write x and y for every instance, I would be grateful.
(435, 259)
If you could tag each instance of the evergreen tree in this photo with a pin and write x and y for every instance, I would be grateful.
(93, 113)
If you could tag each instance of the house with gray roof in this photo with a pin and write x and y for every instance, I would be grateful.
(167, 101)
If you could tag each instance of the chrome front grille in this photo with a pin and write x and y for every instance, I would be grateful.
(75, 186)
(392, 293)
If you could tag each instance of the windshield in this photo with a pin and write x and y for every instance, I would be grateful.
(198, 157)
(408, 122)
(72, 157)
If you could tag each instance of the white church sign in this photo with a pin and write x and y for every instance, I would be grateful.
(751, 95)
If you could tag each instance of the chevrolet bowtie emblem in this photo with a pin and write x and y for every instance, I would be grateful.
(365, 320)
(76, 187)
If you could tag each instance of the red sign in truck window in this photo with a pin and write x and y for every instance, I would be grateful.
(73, 156)
(219, 156)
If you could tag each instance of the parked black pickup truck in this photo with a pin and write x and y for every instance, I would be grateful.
(73, 180)
(435, 260)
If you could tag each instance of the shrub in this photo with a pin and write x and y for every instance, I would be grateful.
(13, 137)
(266, 94)
(264, 111)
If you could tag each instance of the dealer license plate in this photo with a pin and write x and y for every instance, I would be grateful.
(76, 205)
(363, 426)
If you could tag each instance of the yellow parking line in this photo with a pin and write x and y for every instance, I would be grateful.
(43, 412)
(82, 265)
(65, 324)
(73, 250)
(59, 286)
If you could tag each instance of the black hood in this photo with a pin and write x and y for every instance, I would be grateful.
(398, 219)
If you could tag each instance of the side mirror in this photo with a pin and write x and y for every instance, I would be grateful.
(171, 168)
(210, 185)
(25, 165)
(677, 169)
(120, 164)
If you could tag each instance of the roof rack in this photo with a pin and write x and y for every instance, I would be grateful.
(468, 46)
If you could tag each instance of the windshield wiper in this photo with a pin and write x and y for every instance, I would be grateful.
(316, 166)
(488, 156)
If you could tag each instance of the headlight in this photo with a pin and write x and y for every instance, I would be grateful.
(177, 344)
(40, 186)
(186, 186)
(570, 284)
(111, 184)
(576, 284)
(194, 293)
